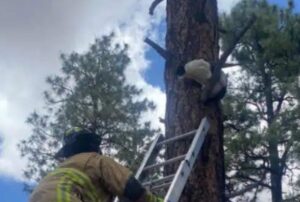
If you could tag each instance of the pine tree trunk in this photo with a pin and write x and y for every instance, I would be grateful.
(276, 172)
(187, 38)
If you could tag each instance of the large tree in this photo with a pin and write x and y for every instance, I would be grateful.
(190, 36)
(192, 33)
(91, 92)
(263, 109)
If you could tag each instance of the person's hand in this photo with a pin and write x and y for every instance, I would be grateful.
(152, 198)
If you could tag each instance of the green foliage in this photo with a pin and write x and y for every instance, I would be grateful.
(90, 92)
(262, 126)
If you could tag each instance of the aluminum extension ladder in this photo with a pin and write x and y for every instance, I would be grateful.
(177, 181)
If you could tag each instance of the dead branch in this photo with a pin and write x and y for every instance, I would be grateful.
(153, 6)
(259, 182)
(279, 105)
(161, 51)
(240, 192)
(237, 39)
(224, 56)
(226, 65)
(162, 120)
(232, 126)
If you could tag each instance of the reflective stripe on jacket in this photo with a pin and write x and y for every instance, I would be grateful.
(70, 178)
(85, 177)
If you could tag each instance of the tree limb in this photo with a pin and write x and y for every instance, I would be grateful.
(232, 126)
(285, 155)
(227, 52)
(226, 65)
(162, 52)
(223, 58)
(246, 189)
(259, 182)
(153, 6)
(279, 105)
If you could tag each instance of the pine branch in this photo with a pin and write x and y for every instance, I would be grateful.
(161, 51)
(292, 199)
(153, 6)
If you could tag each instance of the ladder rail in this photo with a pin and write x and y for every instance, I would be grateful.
(148, 155)
(187, 164)
(176, 182)
(146, 158)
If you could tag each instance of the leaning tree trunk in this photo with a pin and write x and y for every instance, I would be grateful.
(193, 34)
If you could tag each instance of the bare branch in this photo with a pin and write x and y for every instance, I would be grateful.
(235, 42)
(162, 120)
(285, 155)
(240, 192)
(153, 6)
(279, 105)
(259, 182)
(226, 65)
(232, 126)
(223, 58)
(162, 52)
(222, 30)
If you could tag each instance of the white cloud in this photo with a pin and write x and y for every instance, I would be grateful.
(34, 32)
(226, 5)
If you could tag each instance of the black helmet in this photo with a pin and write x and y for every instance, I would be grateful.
(77, 139)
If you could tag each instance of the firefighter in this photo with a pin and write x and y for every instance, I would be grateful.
(87, 176)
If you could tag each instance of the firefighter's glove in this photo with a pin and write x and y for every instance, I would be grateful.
(152, 198)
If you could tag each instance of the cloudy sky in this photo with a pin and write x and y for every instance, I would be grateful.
(34, 33)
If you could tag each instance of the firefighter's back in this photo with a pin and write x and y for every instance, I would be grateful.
(79, 178)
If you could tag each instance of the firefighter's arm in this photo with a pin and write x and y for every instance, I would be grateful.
(121, 182)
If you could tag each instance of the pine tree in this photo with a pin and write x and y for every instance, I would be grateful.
(192, 34)
(91, 92)
(262, 136)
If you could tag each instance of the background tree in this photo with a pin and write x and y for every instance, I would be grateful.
(263, 111)
(91, 92)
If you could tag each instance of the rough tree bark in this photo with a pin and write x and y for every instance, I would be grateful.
(192, 32)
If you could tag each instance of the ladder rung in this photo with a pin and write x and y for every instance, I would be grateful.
(172, 160)
(178, 137)
(164, 179)
(165, 185)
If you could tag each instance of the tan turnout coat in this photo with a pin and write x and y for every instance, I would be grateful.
(85, 177)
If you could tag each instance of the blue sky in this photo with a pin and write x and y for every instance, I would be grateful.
(11, 189)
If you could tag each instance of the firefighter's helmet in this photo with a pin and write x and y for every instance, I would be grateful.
(76, 139)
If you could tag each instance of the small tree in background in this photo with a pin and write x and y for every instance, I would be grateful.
(263, 113)
(91, 93)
